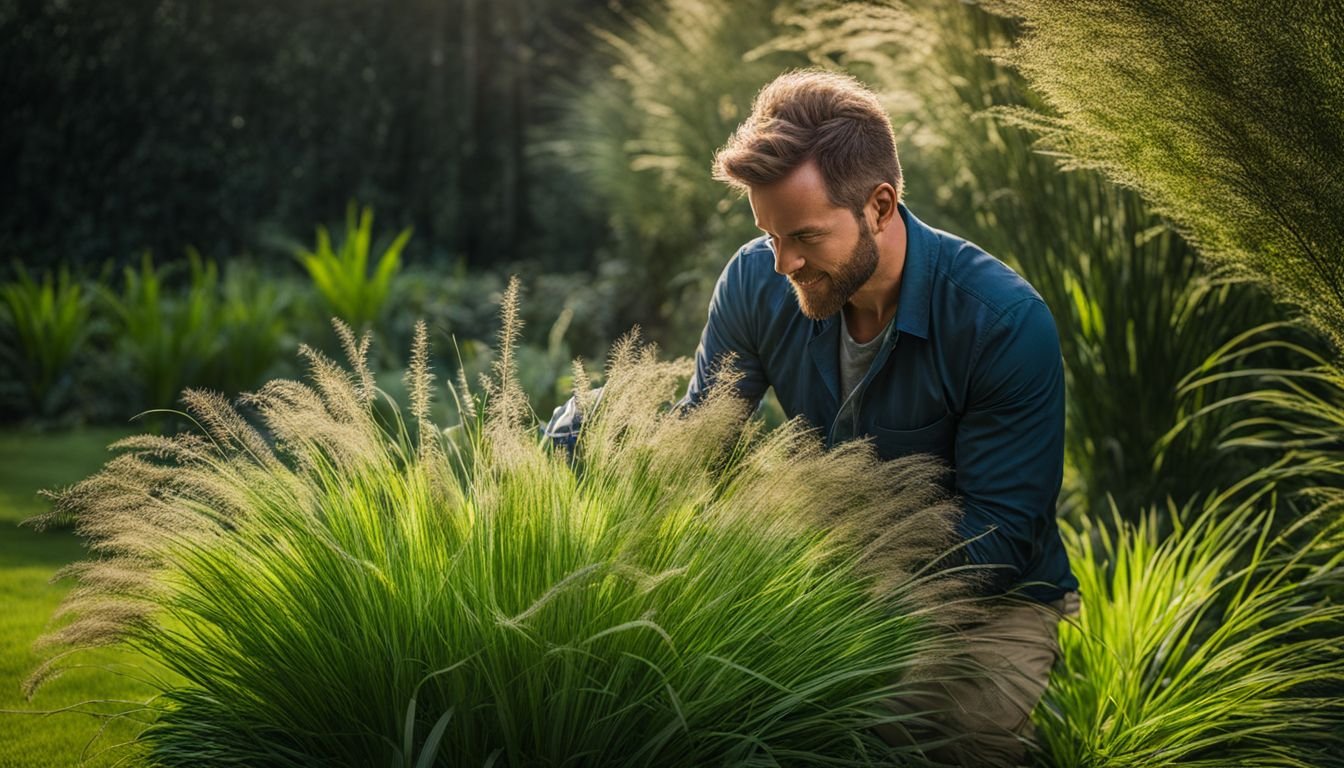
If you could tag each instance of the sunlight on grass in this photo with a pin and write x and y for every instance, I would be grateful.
(687, 591)
(31, 461)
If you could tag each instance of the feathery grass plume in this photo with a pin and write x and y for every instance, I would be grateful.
(641, 123)
(683, 590)
(1201, 649)
(506, 404)
(418, 377)
(1227, 115)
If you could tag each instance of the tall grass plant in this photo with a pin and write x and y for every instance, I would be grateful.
(1226, 116)
(343, 591)
(1207, 647)
(641, 128)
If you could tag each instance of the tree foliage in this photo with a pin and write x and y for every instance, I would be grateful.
(165, 123)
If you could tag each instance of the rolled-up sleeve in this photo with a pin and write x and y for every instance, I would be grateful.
(1010, 441)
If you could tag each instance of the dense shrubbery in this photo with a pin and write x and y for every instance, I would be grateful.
(47, 324)
(104, 350)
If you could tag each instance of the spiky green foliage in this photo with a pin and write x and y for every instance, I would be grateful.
(341, 275)
(254, 316)
(166, 336)
(1135, 312)
(1295, 409)
(1204, 648)
(685, 591)
(45, 325)
(172, 333)
(1228, 116)
(643, 129)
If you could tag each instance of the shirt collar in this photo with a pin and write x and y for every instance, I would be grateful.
(921, 255)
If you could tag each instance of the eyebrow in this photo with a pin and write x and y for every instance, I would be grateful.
(800, 231)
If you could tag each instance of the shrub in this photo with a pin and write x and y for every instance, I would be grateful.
(684, 591)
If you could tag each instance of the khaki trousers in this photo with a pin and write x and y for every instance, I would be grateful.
(983, 697)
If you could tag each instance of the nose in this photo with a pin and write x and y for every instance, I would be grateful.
(787, 261)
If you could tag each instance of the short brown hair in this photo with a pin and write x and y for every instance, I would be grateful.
(812, 114)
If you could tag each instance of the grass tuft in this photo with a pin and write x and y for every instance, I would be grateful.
(685, 589)
(1211, 647)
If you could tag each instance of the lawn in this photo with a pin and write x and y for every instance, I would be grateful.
(30, 461)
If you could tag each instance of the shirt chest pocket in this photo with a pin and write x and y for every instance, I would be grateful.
(938, 439)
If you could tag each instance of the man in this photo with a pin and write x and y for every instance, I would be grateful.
(871, 324)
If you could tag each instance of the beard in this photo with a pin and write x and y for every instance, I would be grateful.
(828, 292)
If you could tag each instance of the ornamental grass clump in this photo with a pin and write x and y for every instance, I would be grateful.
(1215, 646)
(684, 590)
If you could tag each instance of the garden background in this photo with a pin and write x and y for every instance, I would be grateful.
(191, 191)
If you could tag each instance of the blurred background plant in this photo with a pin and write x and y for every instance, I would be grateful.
(45, 327)
(342, 277)
(257, 339)
(641, 126)
(166, 338)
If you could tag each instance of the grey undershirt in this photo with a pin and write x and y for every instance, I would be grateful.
(856, 358)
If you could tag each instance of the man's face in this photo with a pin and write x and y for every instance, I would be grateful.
(824, 250)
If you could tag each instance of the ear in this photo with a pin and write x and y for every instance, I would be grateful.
(881, 206)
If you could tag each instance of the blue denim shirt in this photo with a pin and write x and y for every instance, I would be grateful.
(970, 373)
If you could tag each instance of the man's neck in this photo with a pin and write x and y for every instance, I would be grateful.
(873, 306)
